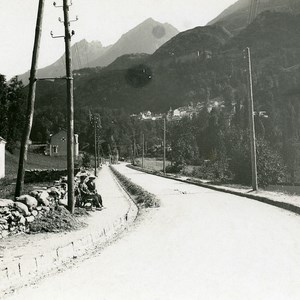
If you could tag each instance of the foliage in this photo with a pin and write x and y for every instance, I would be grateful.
(270, 167)
(86, 160)
(12, 117)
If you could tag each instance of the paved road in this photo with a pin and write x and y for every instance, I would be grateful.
(200, 244)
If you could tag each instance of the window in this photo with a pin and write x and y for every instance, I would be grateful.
(55, 149)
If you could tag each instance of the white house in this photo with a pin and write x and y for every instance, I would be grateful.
(2, 157)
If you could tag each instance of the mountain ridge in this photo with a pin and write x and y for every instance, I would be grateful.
(146, 37)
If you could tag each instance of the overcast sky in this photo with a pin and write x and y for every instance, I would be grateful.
(102, 20)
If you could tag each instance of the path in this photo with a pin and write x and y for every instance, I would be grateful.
(200, 244)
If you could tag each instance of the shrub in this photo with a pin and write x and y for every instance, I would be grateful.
(270, 167)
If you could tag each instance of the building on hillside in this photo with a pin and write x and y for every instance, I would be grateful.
(2, 157)
(58, 144)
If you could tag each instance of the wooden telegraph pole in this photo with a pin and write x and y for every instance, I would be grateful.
(143, 150)
(95, 146)
(251, 122)
(30, 100)
(164, 159)
(70, 109)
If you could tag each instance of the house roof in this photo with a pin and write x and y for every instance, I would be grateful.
(2, 140)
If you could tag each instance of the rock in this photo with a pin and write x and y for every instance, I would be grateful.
(5, 210)
(46, 209)
(42, 197)
(22, 208)
(5, 233)
(53, 191)
(3, 221)
(22, 221)
(16, 214)
(39, 208)
(34, 213)
(30, 219)
(35, 194)
(6, 203)
(44, 201)
(30, 201)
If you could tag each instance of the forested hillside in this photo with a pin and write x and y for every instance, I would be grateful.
(202, 65)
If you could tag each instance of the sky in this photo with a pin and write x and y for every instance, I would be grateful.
(102, 20)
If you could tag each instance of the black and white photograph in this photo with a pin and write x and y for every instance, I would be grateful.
(150, 150)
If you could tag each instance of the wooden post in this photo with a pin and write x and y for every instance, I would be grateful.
(251, 122)
(30, 100)
(70, 109)
(164, 159)
(95, 148)
(143, 150)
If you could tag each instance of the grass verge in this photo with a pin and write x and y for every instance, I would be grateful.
(141, 197)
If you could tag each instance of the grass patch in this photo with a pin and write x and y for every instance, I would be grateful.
(152, 164)
(34, 161)
(141, 197)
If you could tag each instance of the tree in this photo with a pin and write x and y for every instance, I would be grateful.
(12, 100)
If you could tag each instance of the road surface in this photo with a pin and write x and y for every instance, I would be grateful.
(200, 244)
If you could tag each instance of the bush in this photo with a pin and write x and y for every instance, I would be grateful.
(270, 167)
(86, 160)
(175, 168)
(216, 170)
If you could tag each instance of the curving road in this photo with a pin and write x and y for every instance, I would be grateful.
(200, 244)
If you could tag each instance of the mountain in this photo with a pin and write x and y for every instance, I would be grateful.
(147, 37)
(235, 17)
(198, 65)
(144, 38)
(83, 53)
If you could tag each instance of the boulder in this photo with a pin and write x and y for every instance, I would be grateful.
(35, 194)
(6, 203)
(3, 221)
(30, 201)
(34, 213)
(22, 221)
(30, 219)
(22, 208)
(43, 198)
(55, 192)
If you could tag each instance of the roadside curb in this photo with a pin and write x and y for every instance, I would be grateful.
(20, 272)
(284, 205)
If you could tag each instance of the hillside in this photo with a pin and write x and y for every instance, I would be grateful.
(194, 66)
(235, 17)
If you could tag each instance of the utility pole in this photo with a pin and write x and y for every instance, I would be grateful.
(70, 103)
(143, 150)
(164, 159)
(70, 109)
(95, 121)
(30, 100)
(134, 150)
(95, 146)
(251, 121)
